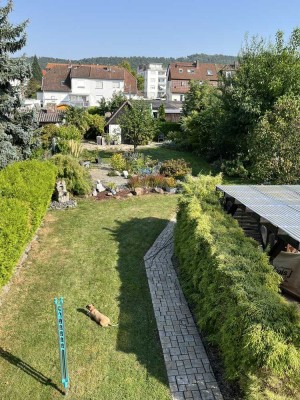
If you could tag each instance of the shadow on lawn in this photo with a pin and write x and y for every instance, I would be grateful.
(28, 369)
(137, 332)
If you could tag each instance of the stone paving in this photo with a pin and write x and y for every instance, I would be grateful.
(189, 372)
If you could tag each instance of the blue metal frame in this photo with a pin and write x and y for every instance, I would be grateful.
(62, 345)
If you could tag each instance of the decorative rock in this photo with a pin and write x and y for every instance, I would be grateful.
(129, 195)
(138, 191)
(109, 194)
(100, 187)
(158, 190)
(95, 193)
(55, 205)
(61, 194)
(125, 174)
(113, 192)
(117, 197)
(117, 173)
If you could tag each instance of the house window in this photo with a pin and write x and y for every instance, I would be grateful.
(99, 85)
(161, 80)
(152, 80)
(152, 87)
(209, 72)
(182, 97)
(191, 71)
(116, 85)
(228, 74)
(183, 83)
(180, 70)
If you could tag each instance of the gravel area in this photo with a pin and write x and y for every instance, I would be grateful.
(100, 173)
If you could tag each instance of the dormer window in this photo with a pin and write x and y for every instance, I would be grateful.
(180, 70)
(209, 72)
(191, 71)
(62, 83)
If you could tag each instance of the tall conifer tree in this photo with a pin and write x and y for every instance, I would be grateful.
(16, 125)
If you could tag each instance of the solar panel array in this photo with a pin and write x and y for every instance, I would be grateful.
(278, 204)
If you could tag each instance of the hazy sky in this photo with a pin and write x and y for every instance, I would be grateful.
(76, 29)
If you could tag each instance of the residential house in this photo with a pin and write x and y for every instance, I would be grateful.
(84, 85)
(179, 75)
(155, 77)
(112, 126)
(173, 109)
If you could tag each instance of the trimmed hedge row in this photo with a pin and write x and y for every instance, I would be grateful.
(235, 295)
(26, 188)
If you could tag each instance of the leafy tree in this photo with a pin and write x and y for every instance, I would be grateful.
(137, 123)
(111, 105)
(17, 128)
(77, 116)
(140, 82)
(96, 125)
(274, 147)
(202, 119)
(140, 79)
(162, 112)
(267, 71)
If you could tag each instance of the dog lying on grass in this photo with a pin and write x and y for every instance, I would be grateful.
(98, 317)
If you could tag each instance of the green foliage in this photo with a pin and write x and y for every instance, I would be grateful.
(165, 127)
(175, 168)
(78, 180)
(48, 132)
(77, 116)
(235, 168)
(137, 123)
(36, 70)
(95, 124)
(202, 118)
(118, 162)
(274, 144)
(234, 292)
(266, 72)
(31, 181)
(17, 127)
(65, 133)
(15, 229)
(26, 190)
(162, 112)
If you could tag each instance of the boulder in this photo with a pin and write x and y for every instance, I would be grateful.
(159, 190)
(138, 191)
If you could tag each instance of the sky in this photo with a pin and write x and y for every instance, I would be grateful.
(76, 29)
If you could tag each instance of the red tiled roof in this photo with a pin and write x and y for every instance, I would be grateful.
(55, 71)
(194, 71)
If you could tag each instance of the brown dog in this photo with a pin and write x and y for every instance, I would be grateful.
(96, 315)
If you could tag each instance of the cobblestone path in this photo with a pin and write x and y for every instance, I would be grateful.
(189, 372)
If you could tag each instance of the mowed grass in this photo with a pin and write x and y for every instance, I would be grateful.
(92, 254)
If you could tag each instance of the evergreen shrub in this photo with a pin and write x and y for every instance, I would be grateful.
(15, 228)
(78, 180)
(31, 181)
(26, 188)
(175, 168)
(235, 295)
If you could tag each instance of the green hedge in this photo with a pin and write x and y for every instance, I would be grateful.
(235, 295)
(26, 188)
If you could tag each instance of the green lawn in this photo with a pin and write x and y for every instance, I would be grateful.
(93, 253)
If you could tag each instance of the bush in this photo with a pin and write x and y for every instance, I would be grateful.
(148, 181)
(25, 194)
(31, 181)
(234, 292)
(165, 127)
(48, 132)
(78, 180)
(234, 168)
(15, 228)
(175, 168)
(65, 134)
(118, 162)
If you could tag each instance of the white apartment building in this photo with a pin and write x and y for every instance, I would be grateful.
(155, 80)
(84, 85)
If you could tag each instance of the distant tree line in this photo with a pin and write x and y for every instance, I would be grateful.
(136, 61)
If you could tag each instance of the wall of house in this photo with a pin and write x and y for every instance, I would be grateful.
(96, 89)
(53, 97)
